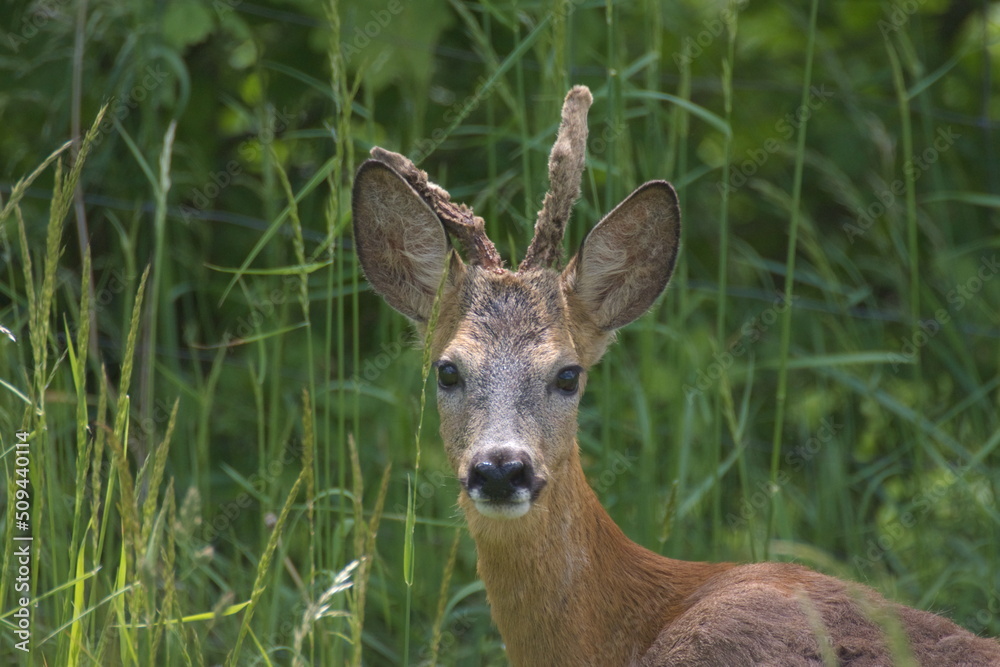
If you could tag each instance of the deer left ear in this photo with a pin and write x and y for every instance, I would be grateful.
(400, 241)
(627, 258)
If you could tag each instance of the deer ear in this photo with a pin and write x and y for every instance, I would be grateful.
(401, 243)
(627, 258)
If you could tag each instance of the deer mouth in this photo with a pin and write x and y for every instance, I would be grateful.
(504, 509)
(502, 483)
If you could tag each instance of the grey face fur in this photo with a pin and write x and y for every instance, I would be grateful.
(509, 384)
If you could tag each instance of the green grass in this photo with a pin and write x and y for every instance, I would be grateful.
(231, 460)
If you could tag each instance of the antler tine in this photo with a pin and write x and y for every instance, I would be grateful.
(566, 164)
(458, 219)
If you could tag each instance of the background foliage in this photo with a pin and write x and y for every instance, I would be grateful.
(194, 432)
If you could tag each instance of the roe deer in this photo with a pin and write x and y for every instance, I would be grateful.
(511, 350)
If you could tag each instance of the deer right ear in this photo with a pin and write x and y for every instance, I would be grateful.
(400, 241)
(627, 258)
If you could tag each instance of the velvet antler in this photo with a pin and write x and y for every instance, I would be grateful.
(458, 219)
(566, 164)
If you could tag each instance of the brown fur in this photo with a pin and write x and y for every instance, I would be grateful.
(566, 587)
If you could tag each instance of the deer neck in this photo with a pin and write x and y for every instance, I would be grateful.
(566, 586)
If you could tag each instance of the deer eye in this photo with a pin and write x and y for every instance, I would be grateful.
(568, 380)
(448, 376)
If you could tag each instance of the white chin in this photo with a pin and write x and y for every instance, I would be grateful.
(503, 510)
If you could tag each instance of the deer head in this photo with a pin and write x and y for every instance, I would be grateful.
(511, 348)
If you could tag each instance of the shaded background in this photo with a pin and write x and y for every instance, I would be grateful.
(882, 467)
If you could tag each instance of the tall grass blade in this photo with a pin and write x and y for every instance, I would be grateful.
(366, 560)
(259, 586)
(786, 316)
(156, 477)
(77, 626)
(449, 567)
(20, 188)
(913, 250)
(722, 297)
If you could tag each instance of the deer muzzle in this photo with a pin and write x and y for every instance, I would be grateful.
(502, 482)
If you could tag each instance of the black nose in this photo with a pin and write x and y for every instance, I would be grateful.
(498, 478)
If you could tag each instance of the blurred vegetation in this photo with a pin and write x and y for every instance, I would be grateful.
(194, 496)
